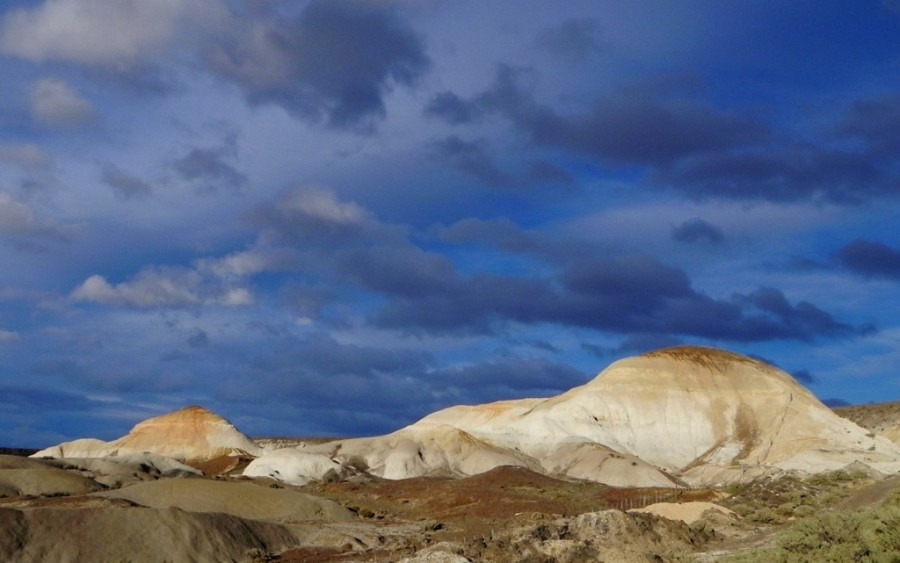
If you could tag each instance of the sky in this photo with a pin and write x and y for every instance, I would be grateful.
(334, 217)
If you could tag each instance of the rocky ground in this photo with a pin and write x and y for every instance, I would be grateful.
(507, 514)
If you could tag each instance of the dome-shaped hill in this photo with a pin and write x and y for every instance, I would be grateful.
(189, 434)
(698, 413)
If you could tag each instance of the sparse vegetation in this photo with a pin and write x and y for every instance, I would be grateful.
(860, 536)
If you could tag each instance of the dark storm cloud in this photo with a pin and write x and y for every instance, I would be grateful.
(872, 259)
(318, 372)
(643, 343)
(704, 151)
(351, 387)
(783, 175)
(198, 339)
(804, 376)
(211, 167)
(875, 122)
(625, 296)
(643, 132)
(452, 109)
(505, 235)
(32, 397)
(580, 286)
(543, 171)
(125, 185)
(514, 376)
(573, 40)
(697, 230)
(641, 128)
(403, 271)
(334, 63)
(472, 158)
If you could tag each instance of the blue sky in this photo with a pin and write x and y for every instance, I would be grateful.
(334, 217)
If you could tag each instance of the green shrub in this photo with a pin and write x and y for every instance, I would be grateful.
(871, 536)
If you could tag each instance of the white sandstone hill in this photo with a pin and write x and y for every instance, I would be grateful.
(685, 414)
(189, 434)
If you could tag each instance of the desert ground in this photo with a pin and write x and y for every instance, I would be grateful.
(188, 486)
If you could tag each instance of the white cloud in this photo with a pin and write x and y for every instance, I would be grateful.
(149, 289)
(8, 337)
(23, 155)
(17, 218)
(114, 34)
(55, 103)
(325, 205)
(237, 297)
(161, 288)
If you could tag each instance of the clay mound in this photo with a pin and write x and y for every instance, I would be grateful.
(703, 415)
(598, 463)
(118, 471)
(687, 512)
(242, 499)
(47, 481)
(115, 533)
(296, 467)
(415, 451)
(80, 448)
(189, 434)
(17, 462)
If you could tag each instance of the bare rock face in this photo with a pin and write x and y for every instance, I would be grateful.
(192, 433)
(702, 414)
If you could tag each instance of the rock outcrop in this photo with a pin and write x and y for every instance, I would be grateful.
(684, 414)
(190, 434)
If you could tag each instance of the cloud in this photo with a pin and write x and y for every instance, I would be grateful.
(9, 336)
(871, 259)
(804, 376)
(573, 40)
(56, 104)
(199, 339)
(471, 158)
(101, 33)
(333, 63)
(19, 221)
(875, 122)
(150, 289)
(511, 377)
(331, 249)
(123, 184)
(642, 128)
(316, 217)
(697, 148)
(694, 231)
(784, 174)
(163, 288)
(636, 344)
(28, 156)
(211, 168)
(453, 109)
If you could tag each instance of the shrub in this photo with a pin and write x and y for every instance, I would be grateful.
(871, 536)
